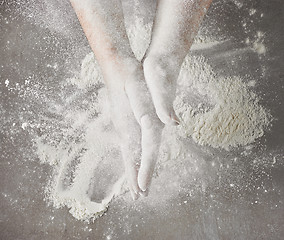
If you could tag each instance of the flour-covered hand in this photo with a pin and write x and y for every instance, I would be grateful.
(139, 129)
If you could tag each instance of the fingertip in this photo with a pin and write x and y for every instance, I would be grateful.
(136, 189)
(135, 185)
(144, 193)
(174, 123)
(133, 195)
(133, 181)
(166, 119)
(144, 188)
(169, 118)
(175, 118)
(142, 182)
(170, 121)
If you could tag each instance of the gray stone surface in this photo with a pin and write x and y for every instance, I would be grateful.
(34, 34)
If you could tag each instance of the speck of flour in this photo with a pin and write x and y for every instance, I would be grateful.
(216, 111)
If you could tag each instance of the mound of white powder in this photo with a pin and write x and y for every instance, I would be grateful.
(235, 118)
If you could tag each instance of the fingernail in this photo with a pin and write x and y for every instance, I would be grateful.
(174, 123)
(175, 118)
(144, 189)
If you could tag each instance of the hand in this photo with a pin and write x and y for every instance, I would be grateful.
(138, 127)
(161, 75)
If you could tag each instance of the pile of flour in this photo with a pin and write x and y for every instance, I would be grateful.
(235, 117)
(220, 112)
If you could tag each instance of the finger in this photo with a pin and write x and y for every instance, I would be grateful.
(144, 193)
(166, 112)
(134, 195)
(141, 103)
(163, 102)
(132, 176)
(131, 152)
(132, 180)
(162, 86)
(174, 117)
(151, 129)
(129, 133)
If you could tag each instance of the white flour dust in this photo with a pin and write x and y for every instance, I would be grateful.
(257, 43)
(235, 116)
(221, 112)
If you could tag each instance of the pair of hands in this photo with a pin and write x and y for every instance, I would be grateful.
(138, 126)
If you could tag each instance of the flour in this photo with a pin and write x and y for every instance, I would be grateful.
(6, 82)
(252, 11)
(236, 117)
(220, 112)
(257, 45)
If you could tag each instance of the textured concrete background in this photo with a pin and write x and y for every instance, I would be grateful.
(34, 34)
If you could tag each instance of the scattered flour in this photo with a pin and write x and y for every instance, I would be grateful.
(252, 11)
(238, 3)
(221, 112)
(6, 82)
(257, 45)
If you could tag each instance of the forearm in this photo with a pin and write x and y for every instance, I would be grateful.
(103, 24)
(198, 9)
(176, 25)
